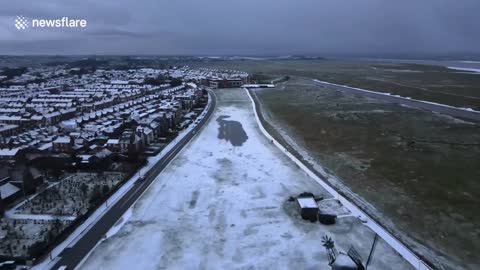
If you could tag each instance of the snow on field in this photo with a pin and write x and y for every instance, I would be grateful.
(220, 206)
(400, 97)
(476, 70)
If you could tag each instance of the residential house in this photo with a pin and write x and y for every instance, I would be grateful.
(113, 145)
(63, 145)
(8, 192)
(130, 142)
(8, 154)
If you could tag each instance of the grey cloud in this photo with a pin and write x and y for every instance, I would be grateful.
(117, 32)
(253, 27)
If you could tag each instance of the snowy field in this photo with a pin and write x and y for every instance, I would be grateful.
(222, 204)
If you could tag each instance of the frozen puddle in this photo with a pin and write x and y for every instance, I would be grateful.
(220, 204)
(231, 131)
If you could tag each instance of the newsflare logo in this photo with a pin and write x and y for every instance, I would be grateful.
(22, 23)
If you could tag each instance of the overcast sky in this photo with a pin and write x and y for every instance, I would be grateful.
(246, 27)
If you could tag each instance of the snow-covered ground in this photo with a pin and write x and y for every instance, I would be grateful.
(398, 96)
(220, 206)
(476, 70)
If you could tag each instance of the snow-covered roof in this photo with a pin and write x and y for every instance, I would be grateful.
(62, 140)
(307, 202)
(7, 127)
(118, 82)
(85, 158)
(69, 123)
(8, 190)
(104, 153)
(45, 146)
(8, 152)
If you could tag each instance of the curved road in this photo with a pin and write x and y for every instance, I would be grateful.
(72, 256)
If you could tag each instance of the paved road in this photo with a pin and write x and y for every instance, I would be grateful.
(71, 257)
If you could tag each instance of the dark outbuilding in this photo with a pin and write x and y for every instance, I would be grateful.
(308, 208)
(327, 219)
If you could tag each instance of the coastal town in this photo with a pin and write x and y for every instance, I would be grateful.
(117, 162)
(71, 136)
(332, 135)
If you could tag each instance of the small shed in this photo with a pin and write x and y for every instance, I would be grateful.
(308, 208)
